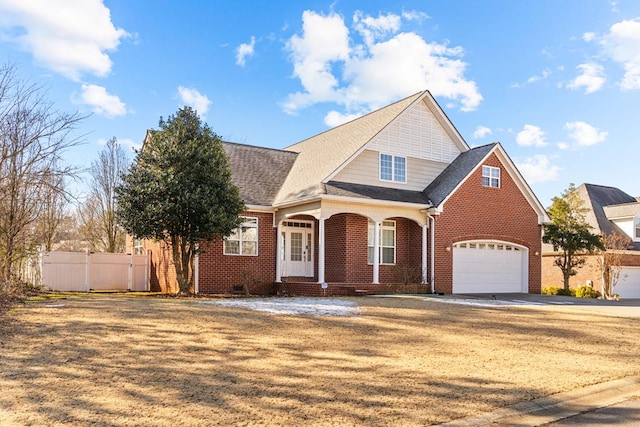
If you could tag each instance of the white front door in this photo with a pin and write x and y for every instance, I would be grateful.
(297, 254)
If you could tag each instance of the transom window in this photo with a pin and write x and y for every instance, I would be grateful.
(244, 239)
(387, 241)
(490, 176)
(393, 168)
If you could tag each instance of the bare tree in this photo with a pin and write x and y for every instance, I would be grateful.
(98, 214)
(610, 261)
(53, 213)
(33, 137)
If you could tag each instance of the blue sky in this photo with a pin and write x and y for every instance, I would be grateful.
(556, 82)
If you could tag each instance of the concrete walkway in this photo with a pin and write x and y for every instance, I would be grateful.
(559, 406)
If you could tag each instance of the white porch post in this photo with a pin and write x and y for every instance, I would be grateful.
(196, 273)
(425, 227)
(321, 250)
(376, 253)
(279, 244)
(433, 254)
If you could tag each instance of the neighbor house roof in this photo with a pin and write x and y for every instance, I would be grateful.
(322, 155)
(257, 171)
(600, 199)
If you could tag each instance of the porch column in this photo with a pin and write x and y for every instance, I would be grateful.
(279, 243)
(376, 253)
(321, 250)
(425, 227)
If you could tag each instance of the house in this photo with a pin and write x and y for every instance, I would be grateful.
(396, 195)
(609, 210)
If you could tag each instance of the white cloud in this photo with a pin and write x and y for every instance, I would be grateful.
(245, 50)
(583, 134)
(101, 101)
(538, 169)
(545, 74)
(591, 78)
(481, 132)
(70, 37)
(194, 99)
(622, 44)
(531, 135)
(589, 37)
(335, 118)
(386, 66)
(373, 29)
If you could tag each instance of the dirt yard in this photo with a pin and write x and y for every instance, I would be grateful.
(117, 360)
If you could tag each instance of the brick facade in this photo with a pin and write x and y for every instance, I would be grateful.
(219, 273)
(486, 213)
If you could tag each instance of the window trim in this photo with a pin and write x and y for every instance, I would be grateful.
(636, 230)
(393, 168)
(245, 223)
(487, 173)
(371, 225)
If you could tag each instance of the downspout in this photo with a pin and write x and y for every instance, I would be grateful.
(432, 226)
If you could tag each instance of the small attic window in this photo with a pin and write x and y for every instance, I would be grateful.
(393, 168)
(490, 176)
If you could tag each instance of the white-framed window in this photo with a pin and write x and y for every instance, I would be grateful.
(244, 239)
(636, 229)
(393, 168)
(490, 176)
(138, 248)
(387, 242)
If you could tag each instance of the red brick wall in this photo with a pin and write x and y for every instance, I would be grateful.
(218, 273)
(335, 253)
(477, 212)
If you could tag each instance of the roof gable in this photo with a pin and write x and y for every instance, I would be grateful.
(462, 167)
(323, 156)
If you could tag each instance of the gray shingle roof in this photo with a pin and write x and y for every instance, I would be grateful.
(458, 170)
(596, 198)
(258, 171)
(345, 189)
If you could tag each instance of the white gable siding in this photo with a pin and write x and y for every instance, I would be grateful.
(626, 226)
(416, 133)
(365, 169)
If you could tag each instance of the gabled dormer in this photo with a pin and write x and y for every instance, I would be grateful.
(626, 217)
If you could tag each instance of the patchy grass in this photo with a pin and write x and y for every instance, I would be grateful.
(117, 360)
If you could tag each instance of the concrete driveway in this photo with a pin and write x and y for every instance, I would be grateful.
(622, 308)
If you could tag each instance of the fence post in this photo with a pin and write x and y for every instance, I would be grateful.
(87, 270)
(130, 272)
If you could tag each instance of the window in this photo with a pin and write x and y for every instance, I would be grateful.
(637, 230)
(393, 168)
(387, 241)
(490, 176)
(138, 248)
(244, 239)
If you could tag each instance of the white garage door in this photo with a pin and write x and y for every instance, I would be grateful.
(489, 267)
(628, 285)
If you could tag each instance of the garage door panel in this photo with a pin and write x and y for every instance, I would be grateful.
(483, 267)
(629, 283)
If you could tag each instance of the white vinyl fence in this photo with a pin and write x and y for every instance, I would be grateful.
(79, 271)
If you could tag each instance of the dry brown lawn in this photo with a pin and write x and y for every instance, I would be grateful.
(118, 360)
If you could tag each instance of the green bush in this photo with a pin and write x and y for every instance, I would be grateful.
(556, 290)
(586, 292)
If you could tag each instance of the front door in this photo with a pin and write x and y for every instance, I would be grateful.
(297, 254)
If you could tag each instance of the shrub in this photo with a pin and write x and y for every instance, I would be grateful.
(556, 290)
(586, 292)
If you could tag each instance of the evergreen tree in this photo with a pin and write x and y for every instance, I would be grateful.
(179, 190)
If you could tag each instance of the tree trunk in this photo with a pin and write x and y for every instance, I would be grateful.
(182, 260)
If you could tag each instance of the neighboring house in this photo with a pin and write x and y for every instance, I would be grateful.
(360, 206)
(610, 210)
